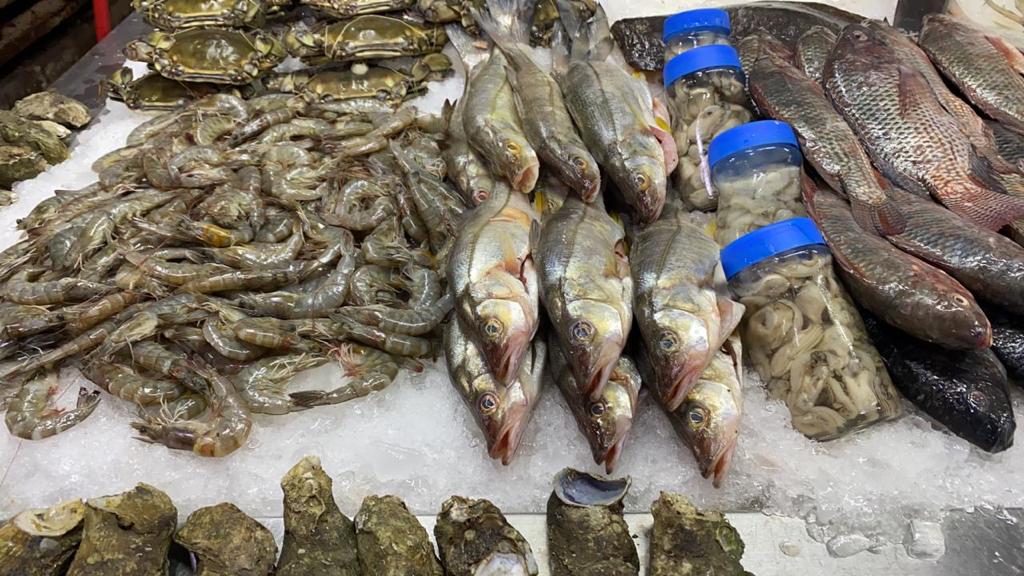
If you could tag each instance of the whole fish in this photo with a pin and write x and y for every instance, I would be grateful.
(604, 422)
(490, 120)
(986, 69)
(545, 120)
(586, 288)
(501, 411)
(616, 117)
(682, 302)
(785, 93)
(910, 136)
(988, 264)
(966, 391)
(1008, 341)
(812, 50)
(493, 281)
(469, 173)
(913, 296)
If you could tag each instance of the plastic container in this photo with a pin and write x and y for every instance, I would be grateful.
(693, 28)
(706, 96)
(755, 170)
(802, 333)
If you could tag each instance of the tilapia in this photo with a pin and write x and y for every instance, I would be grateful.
(685, 540)
(986, 69)
(247, 548)
(907, 293)
(391, 541)
(988, 264)
(1009, 143)
(910, 136)
(682, 303)
(501, 411)
(41, 542)
(1008, 341)
(966, 391)
(493, 281)
(474, 539)
(604, 422)
(490, 121)
(785, 93)
(586, 288)
(621, 123)
(708, 420)
(545, 120)
(587, 535)
(812, 50)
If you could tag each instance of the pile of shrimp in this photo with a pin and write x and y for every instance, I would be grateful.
(228, 246)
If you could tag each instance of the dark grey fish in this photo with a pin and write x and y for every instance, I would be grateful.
(966, 391)
(812, 50)
(1010, 143)
(1008, 341)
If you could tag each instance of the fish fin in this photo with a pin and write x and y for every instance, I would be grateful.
(1013, 56)
(601, 41)
(913, 90)
(507, 22)
(469, 54)
(984, 207)
(885, 219)
(559, 51)
(985, 174)
(663, 132)
(447, 109)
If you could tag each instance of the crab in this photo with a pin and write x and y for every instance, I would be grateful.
(442, 11)
(208, 55)
(350, 8)
(427, 68)
(153, 91)
(358, 82)
(365, 37)
(175, 15)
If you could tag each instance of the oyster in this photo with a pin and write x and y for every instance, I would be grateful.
(53, 106)
(174, 15)
(475, 539)
(19, 163)
(687, 541)
(153, 91)
(586, 531)
(350, 8)
(7, 197)
(364, 37)
(54, 128)
(208, 55)
(18, 131)
(318, 539)
(126, 534)
(227, 542)
(391, 541)
(41, 542)
(376, 83)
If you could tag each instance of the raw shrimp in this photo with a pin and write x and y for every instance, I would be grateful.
(21, 289)
(261, 384)
(397, 344)
(31, 416)
(368, 369)
(127, 384)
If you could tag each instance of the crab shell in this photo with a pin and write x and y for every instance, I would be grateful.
(183, 14)
(350, 8)
(378, 83)
(210, 55)
(366, 37)
(153, 91)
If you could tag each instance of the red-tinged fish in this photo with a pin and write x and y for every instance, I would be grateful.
(910, 136)
(785, 93)
(912, 295)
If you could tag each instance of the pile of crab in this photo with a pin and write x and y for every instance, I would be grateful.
(382, 50)
(229, 245)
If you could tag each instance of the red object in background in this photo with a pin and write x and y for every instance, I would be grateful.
(101, 16)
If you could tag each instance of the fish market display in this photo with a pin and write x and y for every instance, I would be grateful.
(41, 542)
(905, 292)
(966, 391)
(319, 540)
(247, 549)
(586, 531)
(391, 541)
(474, 539)
(685, 540)
(911, 137)
(682, 303)
(616, 115)
(986, 69)
(126, 534)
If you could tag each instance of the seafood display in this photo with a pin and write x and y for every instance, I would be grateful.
(34, 134)
(391, 541)
(474, 538)
(685, 540)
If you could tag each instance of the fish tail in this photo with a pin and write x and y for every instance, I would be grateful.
(1008, 51)
(507, 22)
(886, 218)
(559, 50)
(590, 40)
(469, 55)
(982, 206)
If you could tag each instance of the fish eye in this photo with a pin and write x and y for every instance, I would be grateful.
(696, 417)
(597, 409)
(493, 328)
(959, 300)
(481, 195)
(640, 181)
(488, 403)
(582, 331)
(512, 147)
(579, 163)
(668, 341)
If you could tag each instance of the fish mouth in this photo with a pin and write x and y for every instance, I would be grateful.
(504, 448)
(598, 379)
(683, 381)
(611, 457)
(719, 466)
(510, 357)
(526, 177)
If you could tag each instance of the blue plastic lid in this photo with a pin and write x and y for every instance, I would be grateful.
(691, 20)
(702, 58)
(751, 135)
(766, 242)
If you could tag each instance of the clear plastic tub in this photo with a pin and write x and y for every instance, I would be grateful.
(755, 170)
(802, 333)
(693, 28)
(706, 96)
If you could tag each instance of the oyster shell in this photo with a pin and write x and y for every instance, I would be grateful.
(475, 538)
(391, 541)
(41, 542)
(53, 106)
(687, 541)
(227, 542)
